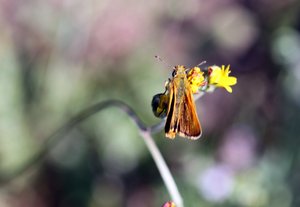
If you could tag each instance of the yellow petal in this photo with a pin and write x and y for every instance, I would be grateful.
(228, 88)
(231, 81)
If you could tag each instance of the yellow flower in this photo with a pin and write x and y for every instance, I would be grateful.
(195, 78)
(220, 77)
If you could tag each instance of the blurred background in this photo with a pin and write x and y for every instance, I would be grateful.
(58, 57)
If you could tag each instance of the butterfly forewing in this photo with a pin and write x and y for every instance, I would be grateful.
(170, 127)
(189, 125)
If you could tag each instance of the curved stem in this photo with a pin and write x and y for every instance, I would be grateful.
(145, 132)
(54, 139)
(163, 169)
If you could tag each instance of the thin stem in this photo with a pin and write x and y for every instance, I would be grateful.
(163, 169)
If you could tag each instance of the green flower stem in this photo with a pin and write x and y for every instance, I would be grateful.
(163, 169)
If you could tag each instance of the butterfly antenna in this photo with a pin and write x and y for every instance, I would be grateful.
(161, 60)
(202, 63)
(198, 65)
